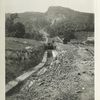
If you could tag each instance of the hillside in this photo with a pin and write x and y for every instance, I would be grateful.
(56, 17)
(21, 55)
(62, 13)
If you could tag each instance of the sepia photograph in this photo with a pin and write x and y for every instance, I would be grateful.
(49, 50)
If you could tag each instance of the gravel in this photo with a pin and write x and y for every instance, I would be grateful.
(69, 77)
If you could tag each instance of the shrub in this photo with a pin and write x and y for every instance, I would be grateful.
(19, 30)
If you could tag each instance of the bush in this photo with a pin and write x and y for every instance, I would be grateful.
(68, 36)
(14, 29)
(19, 30)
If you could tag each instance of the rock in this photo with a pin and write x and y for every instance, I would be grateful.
(25, 42)
(79, 73)
(83, 88)
(31, 83)
(92, 74)
(28, 47)
(84, 72)
(41, 83)
(79, 91)
(42, 71)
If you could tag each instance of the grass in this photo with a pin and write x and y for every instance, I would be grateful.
(19, 43)
(18, 59)
(83, 35)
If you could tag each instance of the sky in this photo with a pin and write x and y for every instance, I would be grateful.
(18, 6)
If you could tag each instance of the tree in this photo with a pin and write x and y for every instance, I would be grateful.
(19, 30)
(67, 37)
(9, 24)
(13, 16)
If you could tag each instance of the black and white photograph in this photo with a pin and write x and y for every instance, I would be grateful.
(49, 50)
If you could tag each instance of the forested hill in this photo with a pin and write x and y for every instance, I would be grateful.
(55, 15)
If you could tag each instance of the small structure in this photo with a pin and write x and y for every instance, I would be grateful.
(90, 40)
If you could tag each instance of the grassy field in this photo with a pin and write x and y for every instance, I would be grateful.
(18, 59)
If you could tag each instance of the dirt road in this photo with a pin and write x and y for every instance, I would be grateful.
(69, 77)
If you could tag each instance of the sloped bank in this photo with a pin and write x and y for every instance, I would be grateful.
(21, 57)
(18, 81)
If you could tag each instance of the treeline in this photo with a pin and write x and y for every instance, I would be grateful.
(17, 29)
(67, 29)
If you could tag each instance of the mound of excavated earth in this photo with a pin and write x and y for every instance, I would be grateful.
(70, 76)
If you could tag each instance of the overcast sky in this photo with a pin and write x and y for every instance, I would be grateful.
(42, 5)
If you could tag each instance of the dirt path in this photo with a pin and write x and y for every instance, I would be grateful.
(45, 35)
(69, 77)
